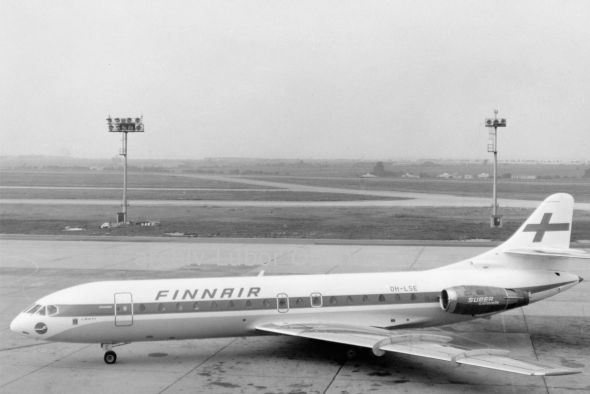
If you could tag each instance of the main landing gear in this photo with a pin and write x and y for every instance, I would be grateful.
(351, 353)
(110, 357)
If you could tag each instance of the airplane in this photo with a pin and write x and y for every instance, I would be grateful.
(377, 312)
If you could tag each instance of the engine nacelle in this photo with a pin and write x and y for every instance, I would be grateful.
(479, 300)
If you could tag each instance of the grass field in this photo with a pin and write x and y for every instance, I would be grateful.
(293, 222)
(105, 179)
(507, 188)
(297, 222)
(217, 195)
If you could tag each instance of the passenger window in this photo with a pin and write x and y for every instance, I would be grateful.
(413, 297)
(333, 300)
(214, 305)
(398, 298)
(468, 293)
(349, 300)
(41, 311)
(282, 302)
(195, 306)
(365, 298)
(316, 300)
(381, 298)
(161, 307)
(51, 310)
(178, 307)
(248, 304)
(266, 303)
(231, 305)
(141, 308)
(480, 292)
(299, 302)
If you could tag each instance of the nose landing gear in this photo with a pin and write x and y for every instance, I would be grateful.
(110, 357)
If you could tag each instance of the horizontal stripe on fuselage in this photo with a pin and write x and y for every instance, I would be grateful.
(152, 308)
(255, 304)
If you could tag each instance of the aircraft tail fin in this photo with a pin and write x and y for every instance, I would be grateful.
(549, 228)
(543, 241)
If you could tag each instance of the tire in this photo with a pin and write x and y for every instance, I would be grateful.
(351, 353)
(110, 357)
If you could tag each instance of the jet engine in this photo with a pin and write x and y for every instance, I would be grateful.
(480, 300)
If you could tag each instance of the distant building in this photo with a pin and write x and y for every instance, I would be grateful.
(524, 177)
(468, 176)
(456, 176)
(444, 175)
(483, 175)
(368, 176)
(408, 175)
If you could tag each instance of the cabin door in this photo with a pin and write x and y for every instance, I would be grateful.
(123, 309)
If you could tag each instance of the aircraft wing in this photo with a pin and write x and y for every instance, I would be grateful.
(417, 343)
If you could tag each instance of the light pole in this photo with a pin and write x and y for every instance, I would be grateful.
(495, 219)
(124, 125)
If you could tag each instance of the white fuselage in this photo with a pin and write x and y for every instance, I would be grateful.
(156, 310)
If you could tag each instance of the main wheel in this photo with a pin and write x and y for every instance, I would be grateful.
(351, 353)
(110, 357)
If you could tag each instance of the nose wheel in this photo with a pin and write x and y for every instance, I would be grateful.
(110, 357)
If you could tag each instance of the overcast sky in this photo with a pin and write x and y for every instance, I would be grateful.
(296, 79)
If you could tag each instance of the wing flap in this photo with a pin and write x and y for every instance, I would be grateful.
(346, 335)
(421, 344)
(525, 367)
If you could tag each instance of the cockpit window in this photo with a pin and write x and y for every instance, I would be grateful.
(41, 311)
(34, 309)
(51, 310)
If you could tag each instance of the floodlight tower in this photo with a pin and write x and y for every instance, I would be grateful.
(495, 219)
(124, 125)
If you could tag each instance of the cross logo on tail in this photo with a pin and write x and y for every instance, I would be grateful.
(544, 226)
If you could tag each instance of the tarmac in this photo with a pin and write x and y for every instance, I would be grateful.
(556, 330)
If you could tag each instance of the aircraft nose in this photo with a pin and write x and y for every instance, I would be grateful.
(17, 325)
(14, 324)
(581, 279)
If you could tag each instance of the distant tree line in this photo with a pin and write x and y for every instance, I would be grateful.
(379, 170)
(252, 172)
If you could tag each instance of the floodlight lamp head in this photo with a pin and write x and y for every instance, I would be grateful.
(137, 120)
(117, 120)
(109, 120)
(129, 120)
(496, 111)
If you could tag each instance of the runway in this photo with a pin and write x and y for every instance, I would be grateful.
(555, 330)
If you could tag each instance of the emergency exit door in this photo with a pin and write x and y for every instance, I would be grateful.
(123, 309)
(283, 303)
